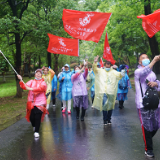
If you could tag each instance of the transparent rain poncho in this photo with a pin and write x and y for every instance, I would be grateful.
(105, 83)
(48, 78)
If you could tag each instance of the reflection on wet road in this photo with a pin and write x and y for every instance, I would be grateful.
(62, 137)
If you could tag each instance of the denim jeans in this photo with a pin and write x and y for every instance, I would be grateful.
(106, 114)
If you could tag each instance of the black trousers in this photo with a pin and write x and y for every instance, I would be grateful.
(121, 103)
(54, 101)
(107, 115)
(78, 111)
(54, 98)
(92, 100)
(147, 136)
(35, 118)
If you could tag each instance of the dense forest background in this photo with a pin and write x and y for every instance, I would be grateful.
(24, 25)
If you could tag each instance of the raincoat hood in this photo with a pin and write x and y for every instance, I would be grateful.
(67, 65)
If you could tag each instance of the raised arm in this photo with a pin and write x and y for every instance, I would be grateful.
(75, 76)
(95, 69)
(52, 73)
(85, 73)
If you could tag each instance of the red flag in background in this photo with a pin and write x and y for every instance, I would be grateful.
(60, 45)
(107, 54)
(85, 25)
(101, 63)
(151, 23)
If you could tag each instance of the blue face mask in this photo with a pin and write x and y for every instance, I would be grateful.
(107, 69)
(76, 71)
(145, 62)
(38, 78)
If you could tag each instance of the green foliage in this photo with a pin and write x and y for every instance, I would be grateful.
(125, 32)
(4, 66)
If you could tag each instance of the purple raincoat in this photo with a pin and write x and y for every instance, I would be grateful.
(150, 119)
(79, 89)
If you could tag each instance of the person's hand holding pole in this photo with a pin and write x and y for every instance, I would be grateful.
(96, 59)
(155, 59)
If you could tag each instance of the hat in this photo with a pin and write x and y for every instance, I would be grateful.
(66, 65)
(38, 70)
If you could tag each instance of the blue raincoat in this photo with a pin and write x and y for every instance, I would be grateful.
(92, 79)
(122, 93)
(66, 85)
(54, 86)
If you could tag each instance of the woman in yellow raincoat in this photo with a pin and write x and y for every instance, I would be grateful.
(48, 75)
(106, 84)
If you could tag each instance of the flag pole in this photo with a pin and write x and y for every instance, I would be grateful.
(9, 63)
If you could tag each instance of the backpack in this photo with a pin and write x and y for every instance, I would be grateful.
(122, 84)
(150, 100)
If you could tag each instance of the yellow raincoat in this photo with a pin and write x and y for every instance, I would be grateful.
(105, 83)
(48, 78)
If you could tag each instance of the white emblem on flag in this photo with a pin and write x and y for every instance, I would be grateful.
(61, 42)
(108, 50)
(86, 20)
(155, 23)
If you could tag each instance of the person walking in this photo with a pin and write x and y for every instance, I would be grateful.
(54, 89)
(48, 75)
(123, 86)
(150, 118)
(36, 104)
(106, 84)
(65, 79)
(79, 90)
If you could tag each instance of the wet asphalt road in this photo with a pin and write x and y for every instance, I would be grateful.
(62, 137)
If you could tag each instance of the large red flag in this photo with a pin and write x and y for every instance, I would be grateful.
(60, 45)
(107, 54)
(85, 25)
(151, 23)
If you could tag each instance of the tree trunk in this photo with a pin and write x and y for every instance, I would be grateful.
(49, 59)
(39, 62)
(152, 41)
(18, 63)
(3, 74)
(29, 66)
(56, 56)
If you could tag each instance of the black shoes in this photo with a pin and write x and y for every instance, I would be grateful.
(121, 107)
(109, 122)
(149, 153)
(82, 118)
(105, 122)
(77, 117)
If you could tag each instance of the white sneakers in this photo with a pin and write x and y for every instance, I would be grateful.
(36, 134)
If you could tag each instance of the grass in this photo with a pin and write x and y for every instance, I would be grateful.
(11, 108)
(9, 87)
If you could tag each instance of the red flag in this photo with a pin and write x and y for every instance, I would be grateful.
(107, 54)
(60, 45)
(85, 25)
(101, 63)
(151, 23)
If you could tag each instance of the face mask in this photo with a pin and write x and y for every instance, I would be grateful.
(145, 62)
(107, 69)
(38, 78)
(76, 71)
